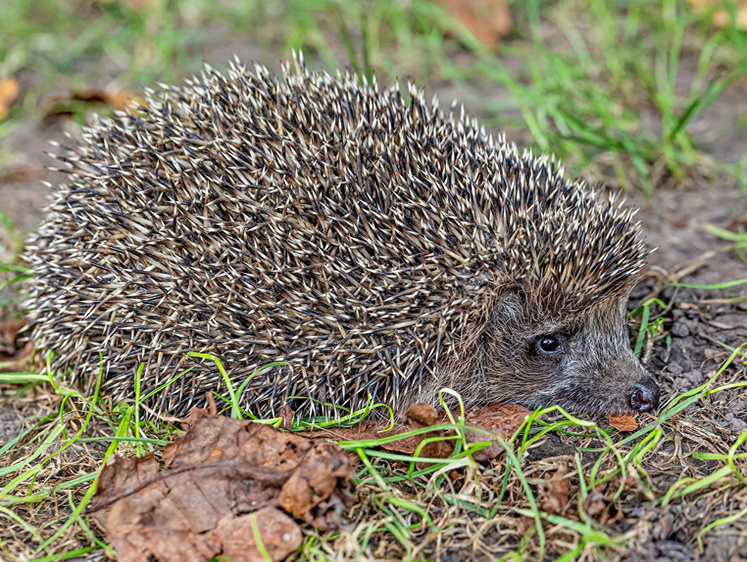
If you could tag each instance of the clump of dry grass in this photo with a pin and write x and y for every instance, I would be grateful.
(564, 487)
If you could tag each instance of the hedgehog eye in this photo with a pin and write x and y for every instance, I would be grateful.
(549, 344)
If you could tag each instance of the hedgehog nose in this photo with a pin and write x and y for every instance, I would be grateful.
(644, 395)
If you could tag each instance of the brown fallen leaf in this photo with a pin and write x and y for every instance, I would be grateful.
(553, 493)
(220, 483)
(233, 536)
(595, 503)
(285, 534)
(487, 20)
(552, 497)
(9, 90)
(525, 524)
(14, 355)
(500, 419)
(124, 100)
(424, 415)
(599, 505)
(721, 14)
(8, 335)
(313, 484)
(114, 98)
(623, 422)
(369, 429)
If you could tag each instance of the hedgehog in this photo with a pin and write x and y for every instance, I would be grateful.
(336, 244)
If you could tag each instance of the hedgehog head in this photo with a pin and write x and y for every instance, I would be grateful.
(581, 361)
(553, 325)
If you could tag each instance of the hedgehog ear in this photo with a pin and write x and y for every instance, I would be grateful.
(508, 307)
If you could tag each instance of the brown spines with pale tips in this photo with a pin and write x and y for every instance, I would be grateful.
(336, 226)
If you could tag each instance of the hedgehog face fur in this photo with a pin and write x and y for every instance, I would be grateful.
(581, 363)
(379, 247)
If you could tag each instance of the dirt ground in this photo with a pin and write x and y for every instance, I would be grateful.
(698, 333)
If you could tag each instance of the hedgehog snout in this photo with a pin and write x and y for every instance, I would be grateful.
(644, 395)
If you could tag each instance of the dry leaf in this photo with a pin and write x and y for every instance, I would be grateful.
(117, 99)
(623, 422)
(487, 20)
(9, 90)
(424, 415)
(124, 100)
(553, 493)
(8, 335)
(284, 534)
(595, 503)
(722, 15)
(14, 355)
(500, 419)
(313, 485)
(552, 497)
(600, 505)
(525, 523)
(220, 482)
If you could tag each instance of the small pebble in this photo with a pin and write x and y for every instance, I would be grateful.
(680, 330)
(735, 423)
